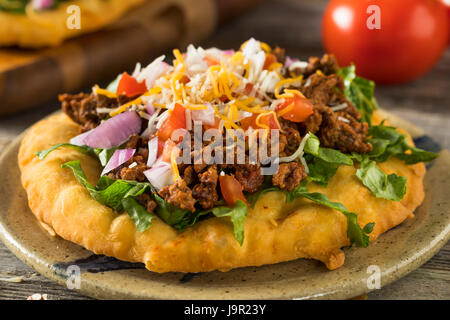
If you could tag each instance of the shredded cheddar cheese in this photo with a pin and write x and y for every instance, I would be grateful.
(235, 85)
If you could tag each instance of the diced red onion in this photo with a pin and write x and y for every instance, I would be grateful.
(152, 151)
(79, 139)
(160, 176)
(119, 157)
(206, 116)
(228, 52)
(111, 133)
(289, 61)
(150, 108)
(42, 4)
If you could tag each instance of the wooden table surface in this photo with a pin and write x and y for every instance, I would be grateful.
(294, 25)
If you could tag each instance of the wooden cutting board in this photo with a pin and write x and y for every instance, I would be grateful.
(29, 77)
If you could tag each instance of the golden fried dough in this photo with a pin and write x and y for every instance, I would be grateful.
(274, 231)
(49, 28)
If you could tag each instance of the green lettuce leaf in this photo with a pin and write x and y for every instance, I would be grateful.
(312, 146)
(116, 194)
(84, 149)
(321, 171)
(174, 216)
(356, 234)
(323, 162)
(360, 92)
(390, 187)
(140, 216)
(387, 142)
(238, 214)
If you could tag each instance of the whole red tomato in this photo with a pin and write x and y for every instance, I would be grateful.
(411, 37)
(447, 4)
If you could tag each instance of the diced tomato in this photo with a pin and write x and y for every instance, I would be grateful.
(249, 122)
(130, 86)
(270, 58)
(160, 147)
(176, 120)
(231, 190)
(185, 79)
(210, 61)
(266, 120)
(248, 88)
(169, 146)
(301, 109)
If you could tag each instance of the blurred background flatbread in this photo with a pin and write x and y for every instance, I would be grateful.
(30, 77)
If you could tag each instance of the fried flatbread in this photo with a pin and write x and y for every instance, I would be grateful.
(49, 27)
(274, 231)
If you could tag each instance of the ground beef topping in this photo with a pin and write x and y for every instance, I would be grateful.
(249, 176)
(82, 108)
(205, 192)
(179, 195)
(289, 175)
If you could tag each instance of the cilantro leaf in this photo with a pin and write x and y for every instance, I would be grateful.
(390, 187)
(360, 92)
(238, 214)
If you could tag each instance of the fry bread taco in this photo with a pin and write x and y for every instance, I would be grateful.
(146, 170)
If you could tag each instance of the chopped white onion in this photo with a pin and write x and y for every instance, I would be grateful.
(153, 71)
(206, 116)
(152, 151)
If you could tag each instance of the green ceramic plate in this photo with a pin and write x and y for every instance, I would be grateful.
(396, 253)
